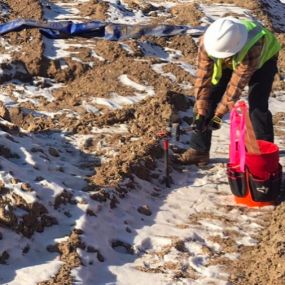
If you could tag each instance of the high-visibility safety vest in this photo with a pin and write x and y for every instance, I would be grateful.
(255, 32)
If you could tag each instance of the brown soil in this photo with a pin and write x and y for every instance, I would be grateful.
(136, 151)
(69, 255)
(265, 263)
(29, 9)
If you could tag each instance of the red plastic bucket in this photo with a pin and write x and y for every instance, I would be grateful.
(261, 165)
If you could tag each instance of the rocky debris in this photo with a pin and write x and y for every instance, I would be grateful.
(35, 216)
(7, 153)
(7, 217)
(137, 151)
(145, 210)
(91, 249)
(180, 245)
(279, 123)
(90, 212)
(114, 201)
(116, 117)
(70, 257)
(176, 268)
(4, 256)
(64, 198)
(26, 187)
(53, 248)
(97, 9)
(53, 152)
(4, 113)
(145, 8)
(279, 118)
(26, 249)
(186, 14)
(101, 196)
(9, 128)
(122, 247)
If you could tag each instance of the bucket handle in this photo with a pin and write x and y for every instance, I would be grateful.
(242, 136)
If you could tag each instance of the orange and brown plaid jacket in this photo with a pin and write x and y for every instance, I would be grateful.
(239, 79)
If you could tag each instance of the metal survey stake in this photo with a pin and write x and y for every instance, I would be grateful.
(166, 161)
(164, 136)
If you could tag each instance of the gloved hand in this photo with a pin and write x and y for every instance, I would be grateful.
(215, 123)
(199, 123)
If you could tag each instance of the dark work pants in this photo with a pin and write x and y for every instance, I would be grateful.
(260, 86)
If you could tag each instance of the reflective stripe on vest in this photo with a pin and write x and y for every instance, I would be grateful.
(255, 32)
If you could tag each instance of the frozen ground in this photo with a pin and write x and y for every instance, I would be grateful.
(185, 234)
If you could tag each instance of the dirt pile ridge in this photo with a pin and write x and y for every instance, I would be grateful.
(264, 264)
(92, 71)
(145, 122)
(27, 40)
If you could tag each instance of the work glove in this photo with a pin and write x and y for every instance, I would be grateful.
(199, 123)
(215, 123)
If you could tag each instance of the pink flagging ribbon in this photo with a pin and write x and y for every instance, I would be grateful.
(237, 135)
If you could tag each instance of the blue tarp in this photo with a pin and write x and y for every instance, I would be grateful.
(108, 31)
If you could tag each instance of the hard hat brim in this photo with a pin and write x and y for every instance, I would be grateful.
(209, 46)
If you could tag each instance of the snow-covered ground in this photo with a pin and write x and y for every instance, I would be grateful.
(137, 248)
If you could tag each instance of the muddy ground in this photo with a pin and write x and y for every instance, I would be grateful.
(145, 120)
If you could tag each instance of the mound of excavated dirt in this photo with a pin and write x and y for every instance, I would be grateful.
(135, 151)
(145, 122)
(265, 263)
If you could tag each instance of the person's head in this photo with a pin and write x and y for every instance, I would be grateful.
(225, 37)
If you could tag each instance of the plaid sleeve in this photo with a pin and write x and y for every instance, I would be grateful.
(240, 78)
(203, 80)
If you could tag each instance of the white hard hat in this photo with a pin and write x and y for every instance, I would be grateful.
(225, 37)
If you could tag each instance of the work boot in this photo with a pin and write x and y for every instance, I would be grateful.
(193, 156)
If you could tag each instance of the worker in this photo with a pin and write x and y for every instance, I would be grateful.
(232, 54)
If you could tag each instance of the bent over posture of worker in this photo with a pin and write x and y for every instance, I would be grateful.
(232, 54)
